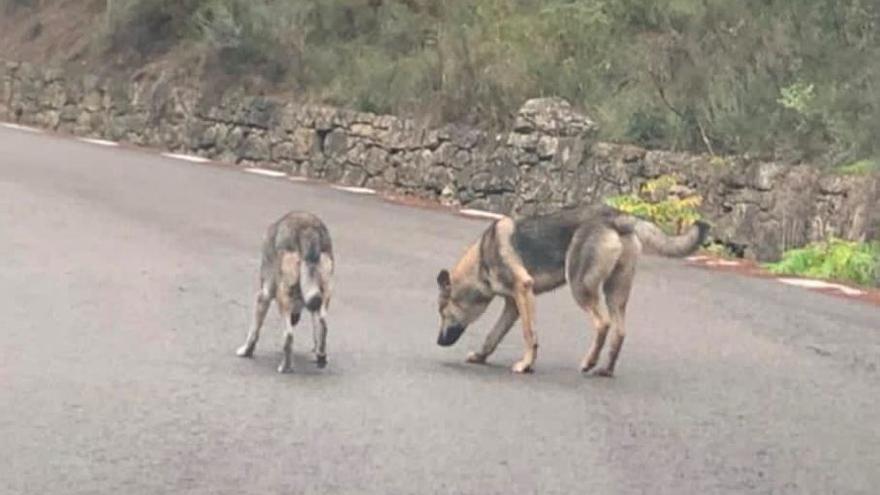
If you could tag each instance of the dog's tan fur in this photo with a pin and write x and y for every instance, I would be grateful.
(594, 249)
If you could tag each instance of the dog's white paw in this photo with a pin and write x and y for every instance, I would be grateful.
(285, 368)
(474, 357)
(522, 367)
(245, 351)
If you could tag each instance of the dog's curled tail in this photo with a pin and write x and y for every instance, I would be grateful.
(310, 249)
(666, 245)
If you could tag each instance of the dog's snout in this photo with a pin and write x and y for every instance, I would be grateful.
(450, 335)
(314, 304)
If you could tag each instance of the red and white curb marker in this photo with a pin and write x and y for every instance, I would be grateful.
(468, 212)
(723, 263)
(265, 171)
(187, 158)
(810, 284)
(698, 258)
(355, 190)
(709, 261)
(99, 142)
(821, 285)
(18, 127)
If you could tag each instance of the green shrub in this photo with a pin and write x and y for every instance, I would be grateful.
(10, 6)
(241, 35)
(648, 129)
(149, 27)
(860, 167)
(672, 214)
(720, 250)
(835, 260)
(798, 79)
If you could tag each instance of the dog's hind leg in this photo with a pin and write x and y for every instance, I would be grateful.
(505, 322)
(617, 335)
(590, 262)
(601, 324)
(261, 307)
(617, 290)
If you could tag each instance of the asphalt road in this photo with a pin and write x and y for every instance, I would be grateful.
(127, 278)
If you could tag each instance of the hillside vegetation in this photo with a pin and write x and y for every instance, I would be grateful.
(792, 79)
(834, 259)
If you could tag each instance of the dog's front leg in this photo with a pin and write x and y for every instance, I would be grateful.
(505, 322)
(291, 319)
(525, 304)
(319, 332)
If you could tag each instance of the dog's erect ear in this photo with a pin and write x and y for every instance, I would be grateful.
(443, 280)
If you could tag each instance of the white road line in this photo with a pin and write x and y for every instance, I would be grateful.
(355, 190)
(722, 263)
(99, 142)
(297, 178)
(698, 258)
(265, 171)
(819, 284)
(480, 213)
(18, 127)
(188, 158)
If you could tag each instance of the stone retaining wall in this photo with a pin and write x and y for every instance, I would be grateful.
(550, 158)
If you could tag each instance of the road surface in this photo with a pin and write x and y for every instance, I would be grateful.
(127, 279)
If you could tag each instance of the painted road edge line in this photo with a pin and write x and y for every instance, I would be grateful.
(480, 213)
(819, 284)
(19, 127)
(710, 261)
(698, 258)
(188, 158)
(99, 142)
(355, 190)
(265, 171)
(719, 262)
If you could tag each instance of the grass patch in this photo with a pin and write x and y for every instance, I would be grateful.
(861, 167)
(836, 259)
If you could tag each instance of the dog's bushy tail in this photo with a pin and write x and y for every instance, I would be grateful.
(310, 250)
(660, 242)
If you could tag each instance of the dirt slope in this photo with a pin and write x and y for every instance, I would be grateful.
(55, 32)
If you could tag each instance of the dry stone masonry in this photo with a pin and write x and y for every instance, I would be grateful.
(548, 159)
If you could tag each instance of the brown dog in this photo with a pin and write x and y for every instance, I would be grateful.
(296, 271)
(594, 249)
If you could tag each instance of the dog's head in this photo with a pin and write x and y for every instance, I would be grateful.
(459, 305)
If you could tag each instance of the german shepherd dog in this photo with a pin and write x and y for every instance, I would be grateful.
(593, 248)
(296, 271)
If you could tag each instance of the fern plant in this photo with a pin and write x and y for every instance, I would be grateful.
(672, 214)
